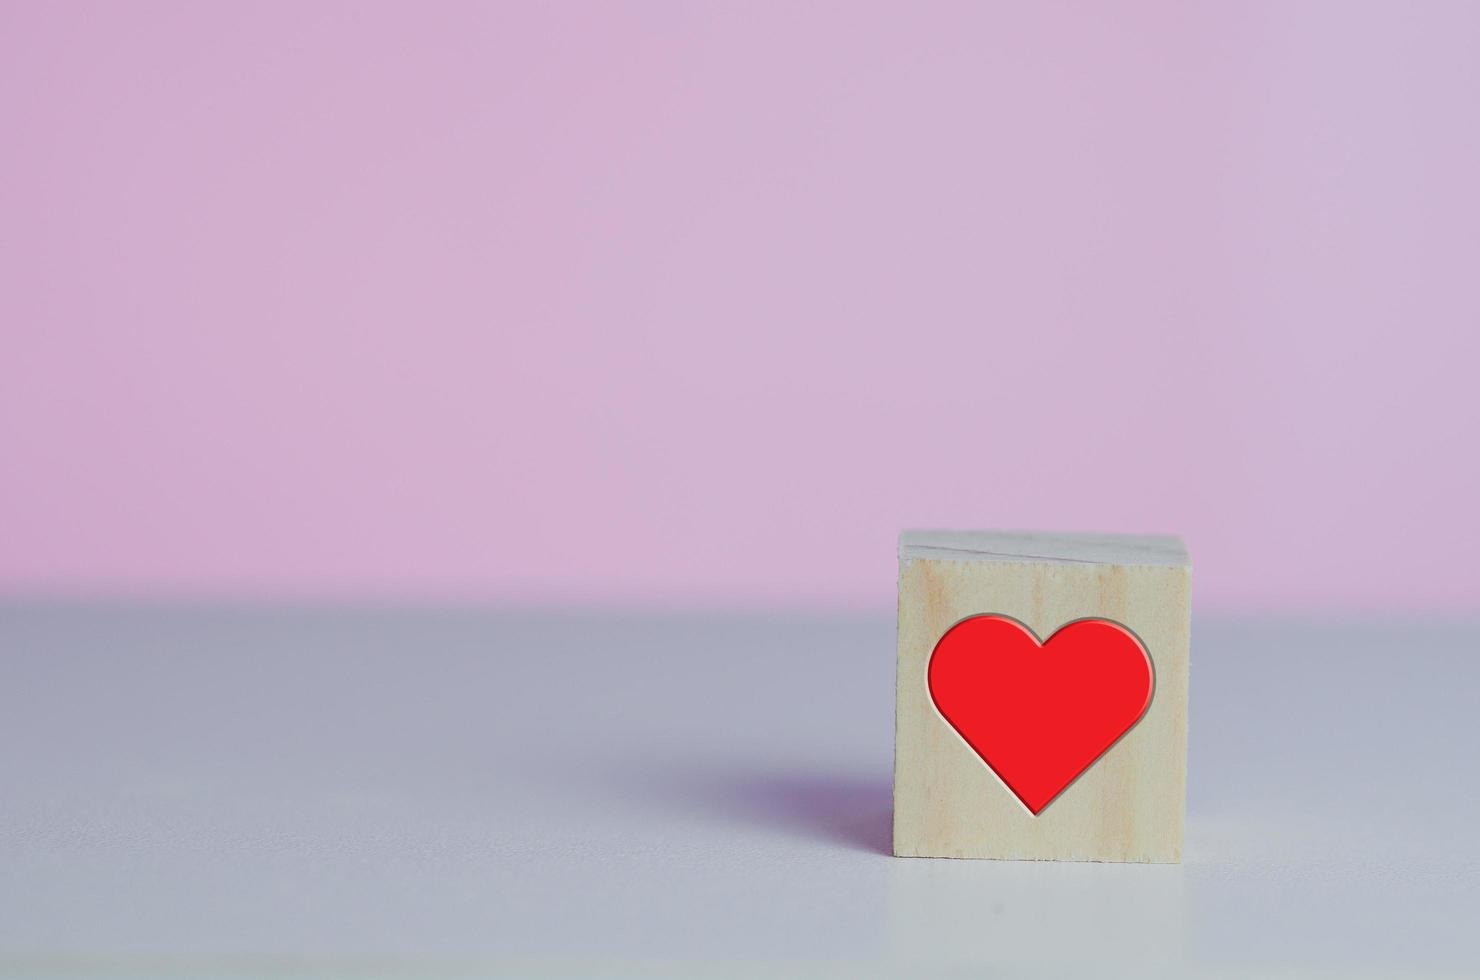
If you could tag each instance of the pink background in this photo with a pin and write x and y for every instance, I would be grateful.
(680, 303)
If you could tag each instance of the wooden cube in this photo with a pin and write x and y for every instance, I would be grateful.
(952, 792)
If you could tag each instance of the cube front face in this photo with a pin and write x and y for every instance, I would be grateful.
(1129, 804)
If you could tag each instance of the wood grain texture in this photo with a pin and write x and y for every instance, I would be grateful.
(1129, 805)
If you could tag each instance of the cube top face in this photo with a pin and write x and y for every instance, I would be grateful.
(1033, 546)
(1128, 804)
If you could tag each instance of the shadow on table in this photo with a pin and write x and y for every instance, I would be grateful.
(850, 812)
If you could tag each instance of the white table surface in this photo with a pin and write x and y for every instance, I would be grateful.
(259, 792)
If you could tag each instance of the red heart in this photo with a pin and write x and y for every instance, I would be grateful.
(1039, 714)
